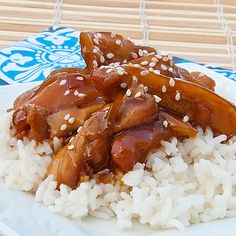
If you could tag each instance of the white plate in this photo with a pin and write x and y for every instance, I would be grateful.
(20, 215)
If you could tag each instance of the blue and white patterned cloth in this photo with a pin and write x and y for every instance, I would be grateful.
(34, 58)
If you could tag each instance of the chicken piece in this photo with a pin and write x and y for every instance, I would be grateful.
(25, 97)
(66, 91)
(202, 106)
(87, 150)
(202, 79)
(66, 165)
(134, 145)
(30, 121)
(72, 117)
(103, 48)
(61, 91)
(164, 65)
(134, 108)
(96, 153)
(178, 127)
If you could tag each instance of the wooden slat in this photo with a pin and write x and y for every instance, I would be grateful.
(186, 28)
(14, 35)
(190, 47)
(30, 4)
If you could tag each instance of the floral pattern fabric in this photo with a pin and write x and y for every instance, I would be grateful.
(34, 58)
(57, 47)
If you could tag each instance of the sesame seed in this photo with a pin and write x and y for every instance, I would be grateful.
(71, 120)
(154, 59)
(186, 118)
(151, 53)
(158, 56)
(177, 96)
(80, 95)
(163, 67)
(64, 127)
(140, 52)
(144, 72)
(95, 64)
(134, 55)
(67, 92)
(144, 63)
(171, 63)
(78, 130)
(123, 85)
(152, 64)
(98, 49)
(165, 123)
(95, 41)
(135, 78)
(99, 35)
(157, 72)
(151, 69)
(171, 82)
(109, 70)
(70, 147)
(138, 94)
(67, 116)
(201, 74)
(145, 89)
(96, 37)
(113, 34)
(102, 59)
(76, 92)
(117, 64)
(141, 86)
(118, 42)
(110, 55)
(79, 78)
(95, 50)
(120, 72)
(128, 92)
(170, 69)
(145, 52)
(163, 89)
(71, 139)
(119, 67)
(165, 59)
(136, 65)
(63, 82)
(125, 61)
(157, 99)
(106, 109)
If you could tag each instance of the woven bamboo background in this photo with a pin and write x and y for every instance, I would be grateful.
(202, 30)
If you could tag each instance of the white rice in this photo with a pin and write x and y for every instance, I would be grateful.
(23, 164)
(196, 183)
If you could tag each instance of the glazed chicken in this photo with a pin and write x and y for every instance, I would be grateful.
(116, 111)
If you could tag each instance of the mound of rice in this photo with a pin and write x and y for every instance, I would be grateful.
(186, 182)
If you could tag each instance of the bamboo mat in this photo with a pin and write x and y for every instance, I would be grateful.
(203, 30)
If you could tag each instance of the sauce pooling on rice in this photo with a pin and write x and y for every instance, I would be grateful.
(116, 111)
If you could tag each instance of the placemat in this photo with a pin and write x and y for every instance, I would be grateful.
(57, 47)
